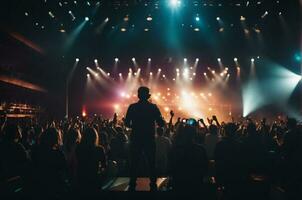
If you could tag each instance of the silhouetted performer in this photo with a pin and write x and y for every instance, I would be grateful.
(141, 117)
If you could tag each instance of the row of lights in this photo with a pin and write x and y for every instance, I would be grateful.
(185, 59)
(177, 70)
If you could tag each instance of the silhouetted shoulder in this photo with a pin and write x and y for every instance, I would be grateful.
(153, 104)
(132, 105)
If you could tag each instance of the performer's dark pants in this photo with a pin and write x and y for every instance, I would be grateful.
(137, 149)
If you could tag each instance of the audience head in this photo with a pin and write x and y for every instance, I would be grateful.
(90, 137)
(189, 134)
(72, 137)
(251, 129)
(291, 123)
(143, 93)
(230, 130)
(50, 138)
(119, 130)
(12, 133)
(160, 131)
(213, 129)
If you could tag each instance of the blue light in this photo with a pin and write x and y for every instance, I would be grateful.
(298, 57)
(197, 19)
(175, 3)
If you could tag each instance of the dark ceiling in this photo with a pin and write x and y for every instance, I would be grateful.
(47, 43)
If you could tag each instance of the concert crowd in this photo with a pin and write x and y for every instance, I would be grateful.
(82, 155)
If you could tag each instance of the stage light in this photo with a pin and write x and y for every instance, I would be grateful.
(95, 60)
(120, 74)
(149, 59)
(77, 59)
(164, 76)
(194, 74)
(265, 14)
(149, 18)
(298, 57)
(159, 70)
(205, 74)
(86, 18)
(217, 18)
(116, 59)
(177, 70)
(213, 71)
(186, 72)
(235, 59)
(51, 14)
(196, 29)
(116, 106)
(126, 18)
(133, 59)
(175, 3)
(252, 60)
(151, 73)
(108, 74)
(219, 59)
(185, 59)
(123, 94)
(197, 59)
(197, 19)
(88, 75)
(107, 19)
(273, 90)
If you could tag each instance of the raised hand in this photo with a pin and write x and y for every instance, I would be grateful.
(171, 113)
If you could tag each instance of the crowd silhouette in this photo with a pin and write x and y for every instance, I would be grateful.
(229, 160)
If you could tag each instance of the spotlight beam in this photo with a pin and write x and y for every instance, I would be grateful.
(68, 80)
(74, 35)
